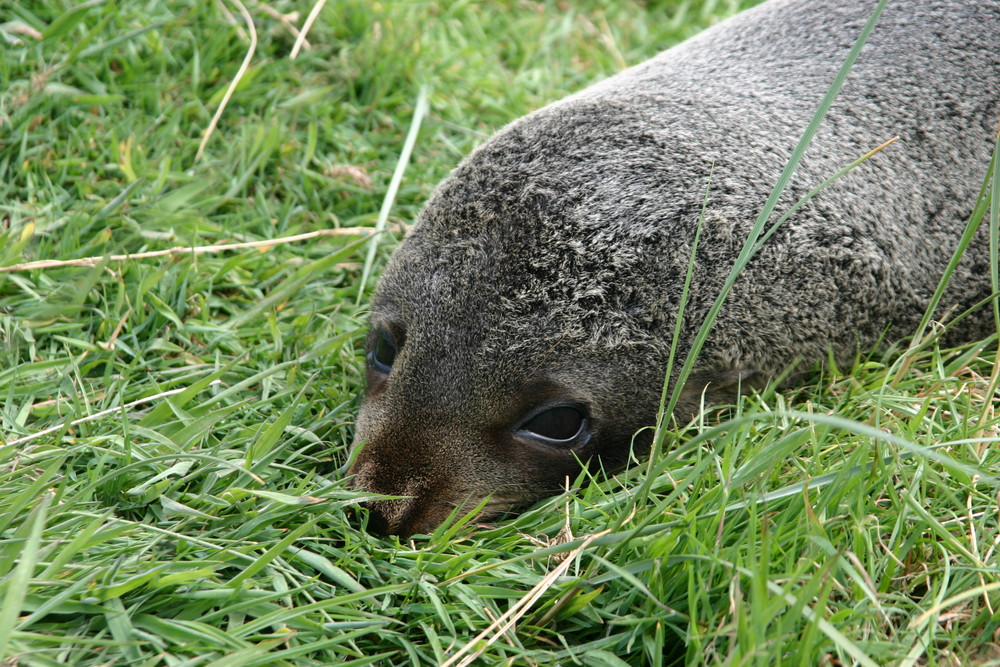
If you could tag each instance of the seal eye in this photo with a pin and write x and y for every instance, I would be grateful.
(559, 424)
(383, 351)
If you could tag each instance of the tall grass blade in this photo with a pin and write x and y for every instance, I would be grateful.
(750, 245)
(18, 582)
(390, 194)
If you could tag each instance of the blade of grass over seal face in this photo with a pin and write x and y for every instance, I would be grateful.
(390, 194)
(983, 204)
(819, 188)
(994, 261)
(661, 416)
(993, 177)
(662, 413)
(751, 245)
(995, 230)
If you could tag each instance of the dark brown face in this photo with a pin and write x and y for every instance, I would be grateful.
(513, 340)
(446, 435)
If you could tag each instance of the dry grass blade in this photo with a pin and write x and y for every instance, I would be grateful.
(286, 20)
(300, 38)
(93, 417)
(500, 626)
(185, 250)
(420, 109)
(235, 82)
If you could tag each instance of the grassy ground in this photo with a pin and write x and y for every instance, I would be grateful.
(171, 427)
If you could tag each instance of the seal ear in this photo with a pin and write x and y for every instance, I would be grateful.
(706, 388)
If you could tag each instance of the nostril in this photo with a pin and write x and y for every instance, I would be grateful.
(389, 516)
(378, 522)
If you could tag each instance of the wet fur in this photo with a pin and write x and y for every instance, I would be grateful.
(549, 265)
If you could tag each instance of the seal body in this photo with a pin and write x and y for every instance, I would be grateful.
(524, 324)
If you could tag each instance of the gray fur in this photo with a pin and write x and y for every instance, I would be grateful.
(548, 267)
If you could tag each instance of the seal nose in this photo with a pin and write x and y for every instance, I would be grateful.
(378, 523)
(424, 492)
(405, 517)
(401, 516)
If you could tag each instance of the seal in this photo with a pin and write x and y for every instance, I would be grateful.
(524, 324)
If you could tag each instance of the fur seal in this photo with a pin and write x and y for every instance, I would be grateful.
(524, 324)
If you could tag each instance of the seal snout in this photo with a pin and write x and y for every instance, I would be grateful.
(402, 518)
(420, 505)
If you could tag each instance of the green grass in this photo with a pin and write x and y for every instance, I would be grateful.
(852, 521)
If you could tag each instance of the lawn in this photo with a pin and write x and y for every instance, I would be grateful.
(175, 415)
